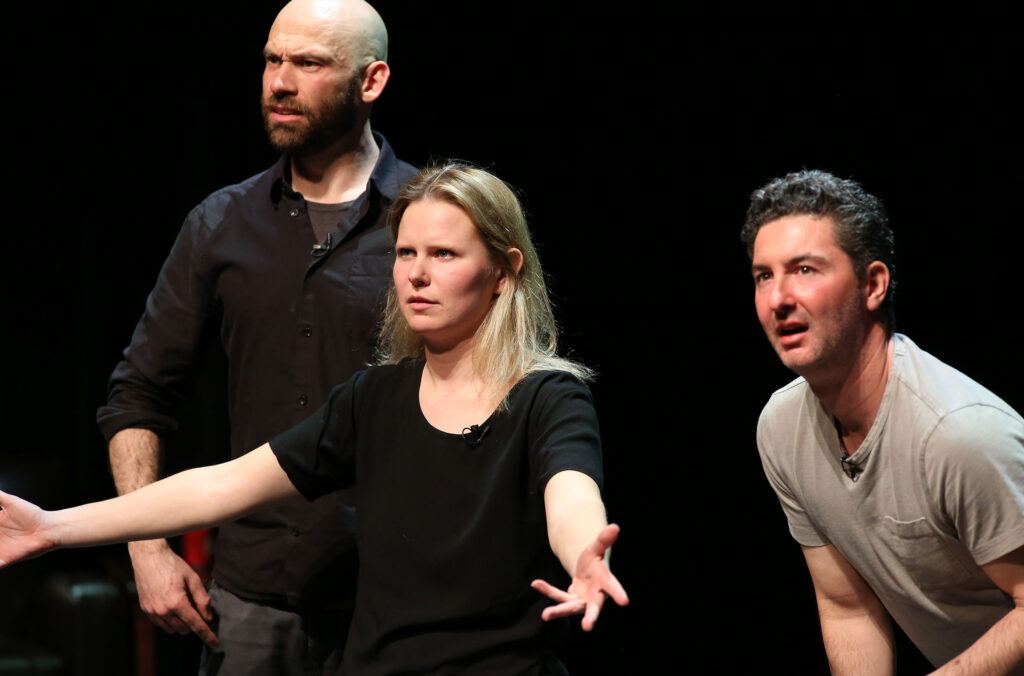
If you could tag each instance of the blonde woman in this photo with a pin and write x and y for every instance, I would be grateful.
(474, 447)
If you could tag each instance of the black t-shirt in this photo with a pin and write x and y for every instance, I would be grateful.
(450, 533)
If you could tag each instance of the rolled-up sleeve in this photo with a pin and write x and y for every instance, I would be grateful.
(158, 366)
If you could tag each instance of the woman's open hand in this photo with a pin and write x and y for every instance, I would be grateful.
(590, 585)
(23, 531)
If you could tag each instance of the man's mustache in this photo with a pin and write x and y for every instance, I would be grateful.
(288, 102)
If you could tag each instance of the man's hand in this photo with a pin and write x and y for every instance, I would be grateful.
(170, 592)
(591, 583)
(23, 530)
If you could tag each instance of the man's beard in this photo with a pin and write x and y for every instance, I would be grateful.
(318, 128)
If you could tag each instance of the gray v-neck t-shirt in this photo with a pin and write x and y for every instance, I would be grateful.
(938, 491)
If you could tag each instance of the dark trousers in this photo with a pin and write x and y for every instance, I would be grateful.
(262, 639)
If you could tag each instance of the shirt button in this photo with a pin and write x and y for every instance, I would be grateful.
(303, 400)
(307, 331)
(293, 212)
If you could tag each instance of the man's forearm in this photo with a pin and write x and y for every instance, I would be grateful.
(857, 642)
(854, 624)
(136, 456)
(136, 460)
(1000, 650)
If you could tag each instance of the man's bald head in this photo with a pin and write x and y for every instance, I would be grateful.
(352, 29)
(325, 66)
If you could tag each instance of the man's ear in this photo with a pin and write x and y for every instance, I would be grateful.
(375, 78)
(876, 284)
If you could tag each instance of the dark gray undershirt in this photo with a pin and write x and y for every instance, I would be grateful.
(325, 217)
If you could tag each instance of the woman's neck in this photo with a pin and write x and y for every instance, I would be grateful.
(453, 395)
(452, 365)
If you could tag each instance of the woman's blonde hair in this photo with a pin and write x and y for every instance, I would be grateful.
(518, 335)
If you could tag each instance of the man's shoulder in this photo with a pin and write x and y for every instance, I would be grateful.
(391, 173)
(256, 187)
(940, 388)
(405, 170)
(791, 411)
(789, 398)
(249, 201)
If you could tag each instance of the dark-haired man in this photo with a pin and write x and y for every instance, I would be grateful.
(901, 478)
(287, 270)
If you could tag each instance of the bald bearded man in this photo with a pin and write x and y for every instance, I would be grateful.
(287, 270)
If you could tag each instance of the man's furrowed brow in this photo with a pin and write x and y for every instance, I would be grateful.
(304, 54)
(314, 54)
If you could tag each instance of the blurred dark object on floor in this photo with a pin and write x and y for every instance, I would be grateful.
(63, 613)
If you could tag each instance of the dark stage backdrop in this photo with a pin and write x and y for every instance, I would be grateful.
(636, 138)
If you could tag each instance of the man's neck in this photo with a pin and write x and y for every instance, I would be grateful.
(338, 173)
(855, 396)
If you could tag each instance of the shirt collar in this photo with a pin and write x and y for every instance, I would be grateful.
(385, 176)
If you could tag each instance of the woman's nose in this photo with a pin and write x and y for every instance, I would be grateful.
(418, 274)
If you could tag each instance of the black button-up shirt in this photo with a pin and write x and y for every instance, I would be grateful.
(293, 322)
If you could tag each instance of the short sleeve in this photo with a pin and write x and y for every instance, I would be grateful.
(563, 431)
(318, 454)
(973, 465)
(800, 525)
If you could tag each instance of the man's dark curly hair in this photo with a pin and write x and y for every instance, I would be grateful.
(861, 225)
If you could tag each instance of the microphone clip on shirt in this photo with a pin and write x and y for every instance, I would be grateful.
(474, 434)
(320, 248)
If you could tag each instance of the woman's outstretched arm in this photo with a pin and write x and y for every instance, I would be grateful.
(581, 538)
(196, 498)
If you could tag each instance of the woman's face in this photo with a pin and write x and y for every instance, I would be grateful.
(444, 276)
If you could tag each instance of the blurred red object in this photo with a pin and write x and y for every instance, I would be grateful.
(197, 550)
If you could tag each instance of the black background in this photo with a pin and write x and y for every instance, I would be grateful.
(636, 135)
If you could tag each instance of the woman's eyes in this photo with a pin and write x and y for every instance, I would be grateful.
(438, 253)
